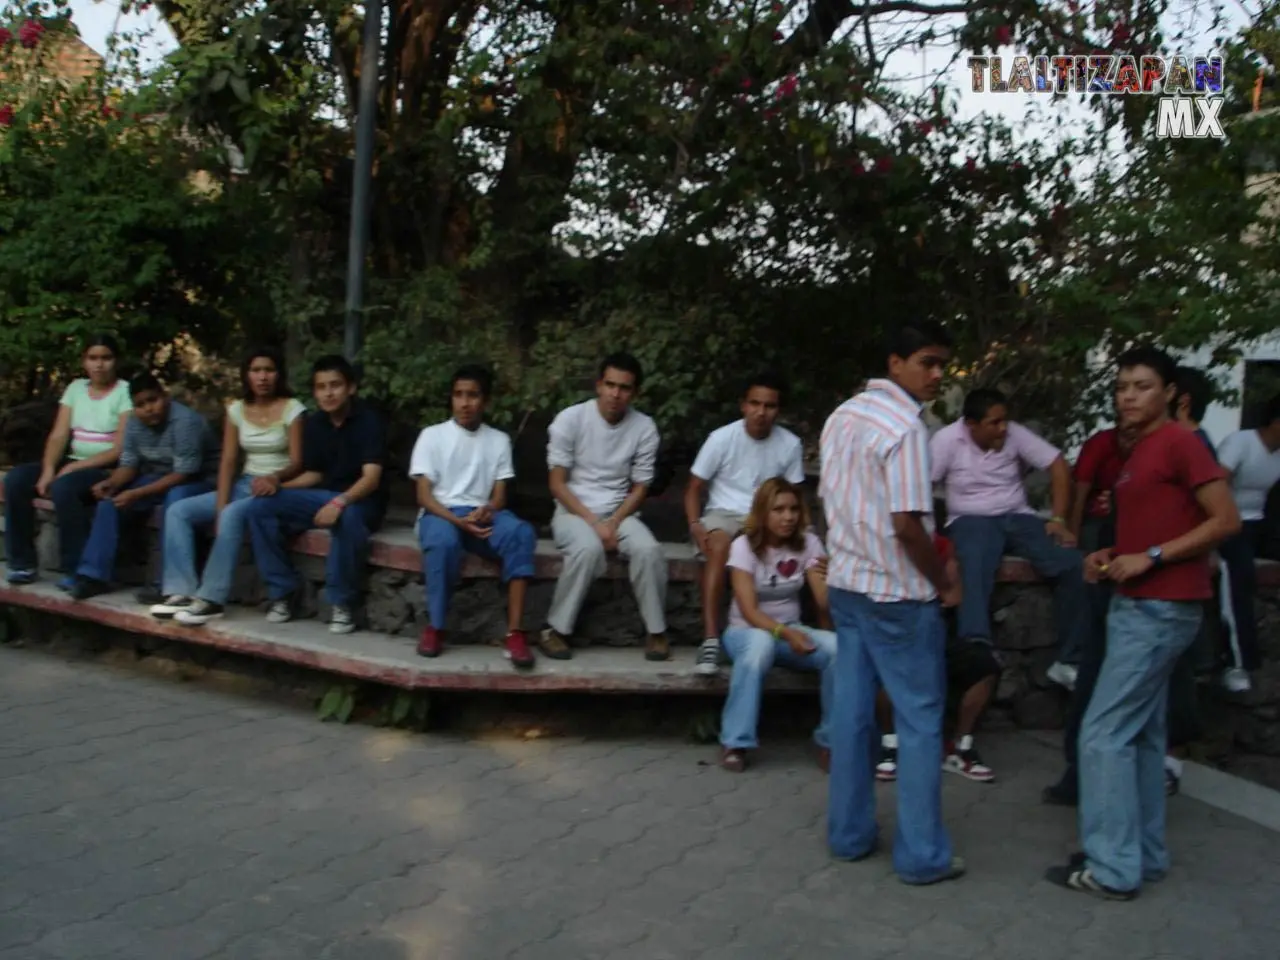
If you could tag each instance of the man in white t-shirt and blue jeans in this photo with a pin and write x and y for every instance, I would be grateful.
(732, 464)
(462, 467)
(601, 455)
(1252, 458)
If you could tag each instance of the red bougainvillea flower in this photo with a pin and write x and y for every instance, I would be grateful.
(884, 164)
(777, 8)
(30, 32)
(1120, 35)
(1003, 35)
(777, 36)
(6, 37)
(6, 116)
(770, 113)
(924, 127)
(971, 165)
(110, 112)
(788, 86)
(746, 83)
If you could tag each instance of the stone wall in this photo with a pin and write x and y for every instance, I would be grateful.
(1022, 624)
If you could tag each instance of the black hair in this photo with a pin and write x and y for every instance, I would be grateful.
(1153, 358)
(144, 382)
(979, 403)
(1193, 384)
(770, 380)
(1271, 411)
(913, 336)
(472, 371)
(335, 363)
(622, 361)
(102, 340)
(276, 356)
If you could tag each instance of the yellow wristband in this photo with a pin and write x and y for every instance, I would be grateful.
(777, 632)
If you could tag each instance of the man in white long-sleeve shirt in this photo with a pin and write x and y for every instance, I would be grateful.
(601, 456)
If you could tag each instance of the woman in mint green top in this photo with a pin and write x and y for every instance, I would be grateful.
(266, 428)
(83, 444)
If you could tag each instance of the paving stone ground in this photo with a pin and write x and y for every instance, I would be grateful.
(143, 820)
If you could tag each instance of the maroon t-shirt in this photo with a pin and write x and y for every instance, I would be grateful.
(1099, 465)
(1155, 497)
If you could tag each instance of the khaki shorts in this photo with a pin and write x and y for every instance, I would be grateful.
(730, 523)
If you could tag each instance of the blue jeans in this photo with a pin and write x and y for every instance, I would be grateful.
(512, 543)
(753, 652)
(980, 544)
(902, 645)
(1123, 740)
(271, 519)
(180, 522)
(98, 562)
(72, 504)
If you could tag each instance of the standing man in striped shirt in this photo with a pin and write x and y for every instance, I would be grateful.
(886, 581)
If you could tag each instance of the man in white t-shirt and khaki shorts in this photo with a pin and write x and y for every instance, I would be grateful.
(1252, 457)
(732, 464)
(601, 455)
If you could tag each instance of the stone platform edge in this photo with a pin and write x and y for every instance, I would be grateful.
(391, 661)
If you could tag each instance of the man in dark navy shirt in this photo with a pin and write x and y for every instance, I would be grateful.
(342, 488)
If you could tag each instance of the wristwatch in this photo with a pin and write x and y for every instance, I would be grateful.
(1156, 556)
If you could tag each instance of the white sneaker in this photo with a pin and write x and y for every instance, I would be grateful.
(280, 611)
(341, 620)
(1237, 680)
(165, 609)
(1063, 674)
(708, 661)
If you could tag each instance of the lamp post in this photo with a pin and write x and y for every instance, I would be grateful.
(366, 128)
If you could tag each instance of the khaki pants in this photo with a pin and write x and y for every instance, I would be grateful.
(584, 562)
(730, 523)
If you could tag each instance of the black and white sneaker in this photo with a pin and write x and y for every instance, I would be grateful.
(199, 613)
(280, 611)
(342, 620)
(169, 607)
(1076, 876)
(887, 767)
(708, 661)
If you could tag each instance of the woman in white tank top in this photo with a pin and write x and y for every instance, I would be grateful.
(264, 429)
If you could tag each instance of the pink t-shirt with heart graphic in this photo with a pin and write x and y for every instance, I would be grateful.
(779, 577)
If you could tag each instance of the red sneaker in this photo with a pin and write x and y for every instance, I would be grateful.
(432, 642)
(517, 650)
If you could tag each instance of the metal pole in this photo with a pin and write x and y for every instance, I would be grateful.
(366, 128)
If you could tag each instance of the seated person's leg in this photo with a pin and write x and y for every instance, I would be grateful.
(1065, 567)
(268, 520)
(441, 543)
(20, 521)
(348, 543)
(98, 561)
(752, 652)
(72, 496)
(584, 561)
(973, 669)
(513, 543)
(823, 659)
(178, 553)
(721, 530)
(979, 545)
(647, 569)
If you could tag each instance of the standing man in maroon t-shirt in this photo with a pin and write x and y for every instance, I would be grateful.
(1172, 506)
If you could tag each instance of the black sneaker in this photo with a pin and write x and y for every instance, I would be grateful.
(169, 607)
(1075, 876)
(199, 613)
(149, 596)
(86, 588)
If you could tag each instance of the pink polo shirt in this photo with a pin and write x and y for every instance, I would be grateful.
(986, 483)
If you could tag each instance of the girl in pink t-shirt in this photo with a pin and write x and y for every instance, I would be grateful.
(769, 565)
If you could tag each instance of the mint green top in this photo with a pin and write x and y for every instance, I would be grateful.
(95, 419)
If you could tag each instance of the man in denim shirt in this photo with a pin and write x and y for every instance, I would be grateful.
(169, 453)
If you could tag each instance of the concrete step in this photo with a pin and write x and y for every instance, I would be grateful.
(393, 661)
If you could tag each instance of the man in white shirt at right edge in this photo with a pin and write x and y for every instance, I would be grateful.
(1252, 458)
(735, 460)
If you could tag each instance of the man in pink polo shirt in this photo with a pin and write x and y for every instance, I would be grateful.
(982, 458)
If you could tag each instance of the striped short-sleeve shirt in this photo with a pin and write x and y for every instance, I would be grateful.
(875, 463)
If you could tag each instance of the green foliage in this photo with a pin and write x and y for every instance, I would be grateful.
(714, 186)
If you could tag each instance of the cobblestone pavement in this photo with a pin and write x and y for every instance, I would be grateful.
(141, 819)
